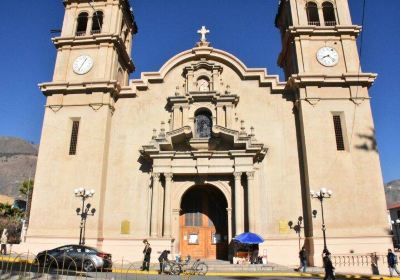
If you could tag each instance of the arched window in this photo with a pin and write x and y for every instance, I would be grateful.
(312, 13)
(329, 14)
(203, 123)
(82, 24)
(97, 22)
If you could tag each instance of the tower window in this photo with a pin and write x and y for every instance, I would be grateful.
(329, 14)
(97, 22)
(312, 14)
(74, 138)
(203, 123)
(337, 123)
(82, 24)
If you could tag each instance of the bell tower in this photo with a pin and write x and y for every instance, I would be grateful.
(91, 71)
(95, 45)
(334, 122)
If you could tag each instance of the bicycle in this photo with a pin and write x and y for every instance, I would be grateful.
(171, 268)
(197, 268)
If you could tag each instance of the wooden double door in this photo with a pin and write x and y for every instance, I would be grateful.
(203, 223)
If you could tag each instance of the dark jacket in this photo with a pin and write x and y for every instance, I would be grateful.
(147, 252)
(303, 255)
(392, 259)
(163, 256)
(328, 264)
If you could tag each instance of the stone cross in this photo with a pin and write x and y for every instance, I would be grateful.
(203, 31)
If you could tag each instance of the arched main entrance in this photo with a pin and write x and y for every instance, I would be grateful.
(203, 223)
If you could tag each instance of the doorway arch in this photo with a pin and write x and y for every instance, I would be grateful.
(203, 223)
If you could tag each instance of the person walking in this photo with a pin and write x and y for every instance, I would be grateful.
(329, 269)
(3, 241)
(392, 262)
(303, 259)
(146, 255)
(163, 258)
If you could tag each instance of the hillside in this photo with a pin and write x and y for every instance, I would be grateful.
(392, 192)
(17, 163)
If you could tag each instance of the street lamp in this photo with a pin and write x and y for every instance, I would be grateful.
(84, 212)
(396, 225)
(297, 228)
(321, 195)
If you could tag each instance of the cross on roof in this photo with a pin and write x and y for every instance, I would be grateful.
(203, 31)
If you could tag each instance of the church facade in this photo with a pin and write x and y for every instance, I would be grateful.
(206, 148)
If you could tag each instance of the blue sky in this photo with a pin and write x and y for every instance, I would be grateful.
(243, 28)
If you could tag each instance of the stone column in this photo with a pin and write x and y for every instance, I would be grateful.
(239, 213)
(154, 204)
(250, 202)
(229, 212)
(167, 209)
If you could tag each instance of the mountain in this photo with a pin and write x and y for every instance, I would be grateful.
(17, 163)
(392, 192)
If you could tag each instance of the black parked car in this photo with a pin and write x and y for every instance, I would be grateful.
(75, 257)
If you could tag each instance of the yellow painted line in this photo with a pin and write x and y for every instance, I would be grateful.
(244, 274)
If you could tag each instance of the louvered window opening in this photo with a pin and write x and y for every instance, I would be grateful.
(74, 138)
(338, 133)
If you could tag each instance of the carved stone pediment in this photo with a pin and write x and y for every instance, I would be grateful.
(222, 140)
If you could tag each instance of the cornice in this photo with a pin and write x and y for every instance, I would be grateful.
(51, 88)
(259, 74)
(346, 79)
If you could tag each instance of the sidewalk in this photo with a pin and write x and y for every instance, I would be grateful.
(224, 268)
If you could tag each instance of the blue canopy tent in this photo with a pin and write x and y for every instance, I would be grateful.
(245, 246)
(249, 238)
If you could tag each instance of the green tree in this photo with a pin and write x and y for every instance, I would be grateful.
(26, 190)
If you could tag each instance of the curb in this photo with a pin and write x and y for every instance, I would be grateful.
(17, 259)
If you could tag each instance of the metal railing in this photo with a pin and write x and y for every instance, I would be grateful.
(80, 33)
(330, 23)
(316, 23)
(31, 266)
(95, 32)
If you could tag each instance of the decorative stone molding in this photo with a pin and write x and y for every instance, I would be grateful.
(259, 74)
(250, 175)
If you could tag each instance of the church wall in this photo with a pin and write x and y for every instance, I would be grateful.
(59, 173)
(353, 175)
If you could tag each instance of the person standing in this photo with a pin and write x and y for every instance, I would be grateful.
(163, 258)
(3, 241)
(328, 266)
(392, 262)
(303, 259)
(146, 255)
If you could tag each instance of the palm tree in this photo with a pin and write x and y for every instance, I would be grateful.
(25, 190)
(6, 210)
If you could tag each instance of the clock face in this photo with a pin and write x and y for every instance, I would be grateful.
(203, 85)
(82, 64)
(328, 56)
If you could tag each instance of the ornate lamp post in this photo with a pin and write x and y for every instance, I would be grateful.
(297, 228)
(396, 225)
(321, 195)
(84, 212)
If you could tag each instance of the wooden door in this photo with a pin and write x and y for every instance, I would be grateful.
(203, 234)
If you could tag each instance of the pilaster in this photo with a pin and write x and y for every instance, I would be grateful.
(250, 197)
(167, 210)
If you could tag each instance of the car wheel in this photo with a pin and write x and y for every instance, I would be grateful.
(88, 266)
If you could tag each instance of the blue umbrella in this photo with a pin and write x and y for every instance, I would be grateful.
(249, 238)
